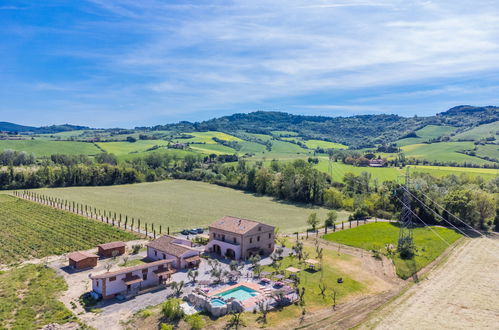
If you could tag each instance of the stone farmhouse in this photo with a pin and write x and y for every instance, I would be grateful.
(179, 250)
(237, 238)
(132, 280)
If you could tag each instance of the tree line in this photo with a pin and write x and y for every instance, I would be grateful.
(471, 198)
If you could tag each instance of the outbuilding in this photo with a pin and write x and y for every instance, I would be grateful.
(107, 250)
(82, 260)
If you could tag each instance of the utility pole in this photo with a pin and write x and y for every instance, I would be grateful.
(405, 222)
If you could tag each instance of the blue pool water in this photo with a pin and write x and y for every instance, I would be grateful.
(217, 302)
(240, 293)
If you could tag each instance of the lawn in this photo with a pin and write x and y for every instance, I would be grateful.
(29, 298)
(377, 235)
(44, 147)
(186, 204)
(31, 230)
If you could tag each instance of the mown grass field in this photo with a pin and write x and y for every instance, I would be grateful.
(443, 152)
(183, 204)
(377, 235)
(31, 230)
(29, 298)
(427, 133)
(47, 147)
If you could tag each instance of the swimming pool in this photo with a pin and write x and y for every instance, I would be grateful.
(217, 302)
(240, 293)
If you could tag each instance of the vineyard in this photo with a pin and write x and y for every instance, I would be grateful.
(30, 230)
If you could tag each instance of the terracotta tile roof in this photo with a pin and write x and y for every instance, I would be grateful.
(166, 244)
(111, 245)
(80, 255)
(131, 269)
(237, 225)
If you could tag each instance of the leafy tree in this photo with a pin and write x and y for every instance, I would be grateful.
(195, 321)
(331, 218)
(312, 220)
(171, 310)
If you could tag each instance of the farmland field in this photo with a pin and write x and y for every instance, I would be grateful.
(376, 235)
(184, 204)
(485, 173)
(121, 148)
(30, 230)
(480, 132)
(207, 137)
(488, 150)
(314, 144)
(443, 152)
(29, 298)
(427, 133)
(47, 148)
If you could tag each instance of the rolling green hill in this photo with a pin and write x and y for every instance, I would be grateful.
(443, 152)
(479, 132)
(426, 134)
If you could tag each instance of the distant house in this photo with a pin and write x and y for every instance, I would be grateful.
(178, 145)
(238, 238)
(178, 249)
(377, 163)
(82, 260)
(106, 250)
(132, 280)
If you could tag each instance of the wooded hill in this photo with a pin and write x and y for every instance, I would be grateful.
(363, 131)
(355, 131)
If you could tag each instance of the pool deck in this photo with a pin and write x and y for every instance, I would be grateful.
(249, 303)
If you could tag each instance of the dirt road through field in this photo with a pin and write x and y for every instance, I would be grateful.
(462, 293)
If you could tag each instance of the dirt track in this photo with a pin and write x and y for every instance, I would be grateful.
(462, 293)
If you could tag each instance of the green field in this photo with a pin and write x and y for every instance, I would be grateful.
(217, 149)
(426, 134)
(47, 147)
(377, 235)
(187, 204)
(314, 144)
(123, 148)
(30, 230)
(443, 152)
(480, 132)
(485, 173)
(28, 298)
(488, 150)
(207, 137)
(339, 170)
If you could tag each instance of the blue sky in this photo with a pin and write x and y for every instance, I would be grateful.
(129, 63)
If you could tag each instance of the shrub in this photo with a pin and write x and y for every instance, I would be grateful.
(171, 310)
(136, 248)
(165, 326)
(195, 321)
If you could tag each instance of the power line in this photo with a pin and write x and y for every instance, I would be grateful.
(423, 222)
(436, 213)
(479, 233)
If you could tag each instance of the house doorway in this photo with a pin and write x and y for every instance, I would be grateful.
(231, 254)
(217, 249)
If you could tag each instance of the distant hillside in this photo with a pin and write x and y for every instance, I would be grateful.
(355, 131)
(11, 127)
